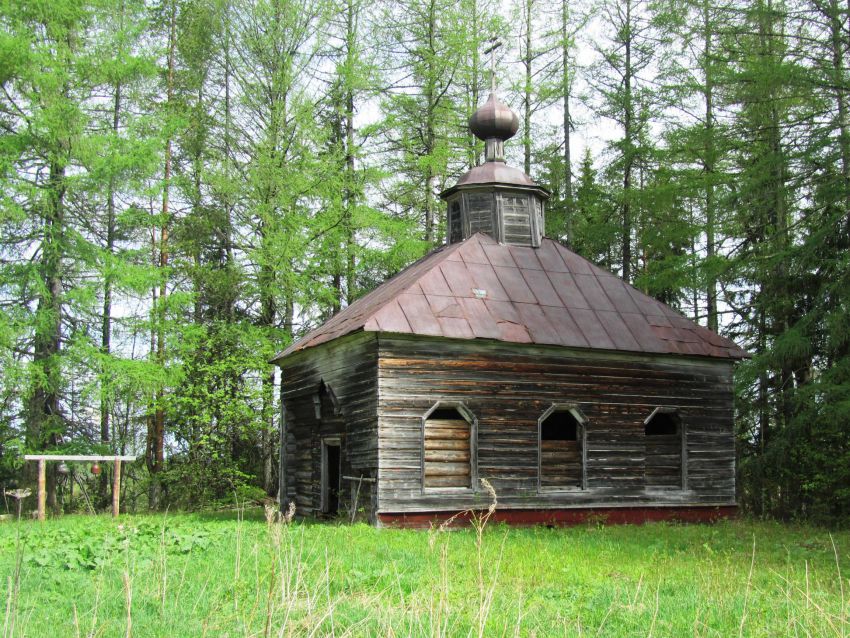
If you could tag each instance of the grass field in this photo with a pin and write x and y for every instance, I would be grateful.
(234, 575)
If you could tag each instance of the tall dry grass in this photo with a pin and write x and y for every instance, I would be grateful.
(281, 581)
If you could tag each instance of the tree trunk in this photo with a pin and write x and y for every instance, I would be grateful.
(709, 168)
(526, 94)
(106, 318)
(228, 200)
(430, 128)
(628, 135)
(156, 426)
(350, 186)
(566, 85)
(44, 421)
(840, 83)
(473, 154)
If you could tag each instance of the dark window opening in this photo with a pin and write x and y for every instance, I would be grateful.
(559, 426)
(325, 403)
(663, 445)
(662, 424)
(561, 453)
(447, 448)
(450, 414)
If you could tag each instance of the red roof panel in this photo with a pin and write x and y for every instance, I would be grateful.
(515, 285)
(592, 329)
(539, 327)
(458, 278)
(525, 258)
(497, 255)
(445, 307)
(548, 295)
(514, 332)
(433, 283)
(503, 311)
(542, 288)
(565, 285)
(474, 254)
(593, 292)
(456, 328)
(617, 330)
(550, 258)
(615, 288)
(568, 332)
(482, 323)
(418, 313)
(391, 318)
(577, 265)
(485, 279)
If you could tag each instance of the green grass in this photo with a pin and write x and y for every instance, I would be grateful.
(217, 575)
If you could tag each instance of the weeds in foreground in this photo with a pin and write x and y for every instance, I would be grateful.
(191, 576)
(14, 581)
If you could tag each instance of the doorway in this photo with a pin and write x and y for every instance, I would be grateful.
(331, 475)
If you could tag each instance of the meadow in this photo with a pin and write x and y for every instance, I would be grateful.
(250, 573)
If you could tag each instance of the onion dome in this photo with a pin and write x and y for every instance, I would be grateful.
(494, 119)
(494, 198)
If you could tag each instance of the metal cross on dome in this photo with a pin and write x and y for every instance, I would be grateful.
(496, 43)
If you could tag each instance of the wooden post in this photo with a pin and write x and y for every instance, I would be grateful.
(116, 488)
(42, 489)
(84, 458)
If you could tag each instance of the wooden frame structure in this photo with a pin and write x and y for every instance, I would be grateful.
(497, 324)
(581, 438)
(82, 458)
(466, 415)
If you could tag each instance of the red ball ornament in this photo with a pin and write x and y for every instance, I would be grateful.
(95, 469)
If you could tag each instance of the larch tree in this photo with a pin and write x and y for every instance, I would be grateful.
(626, 55)
(276, 46)
(46, 126)
(423, 44)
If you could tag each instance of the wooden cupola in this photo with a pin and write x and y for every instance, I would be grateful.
(493, 198)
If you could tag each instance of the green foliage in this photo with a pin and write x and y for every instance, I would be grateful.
(186, 186)
(595, 227)
(235, 572)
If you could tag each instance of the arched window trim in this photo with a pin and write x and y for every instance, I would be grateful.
(663, 410)
(581, 419)
(317, 400)
(683, 438)
(468, 416)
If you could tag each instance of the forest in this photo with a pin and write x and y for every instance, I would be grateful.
(187, 186)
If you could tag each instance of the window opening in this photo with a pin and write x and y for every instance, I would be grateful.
(448, 451)
(480, 213)
(663, 443)
(561, 453)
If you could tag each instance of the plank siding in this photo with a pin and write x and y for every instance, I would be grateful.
(447, 453)
(509, 386)
(349, 367)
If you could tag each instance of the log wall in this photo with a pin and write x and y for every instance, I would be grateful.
(509, 386)
(348, 366)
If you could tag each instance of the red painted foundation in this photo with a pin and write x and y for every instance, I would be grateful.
(559, 517)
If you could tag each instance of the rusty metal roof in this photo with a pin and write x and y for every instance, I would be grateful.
(495, 173)
(480, 289)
